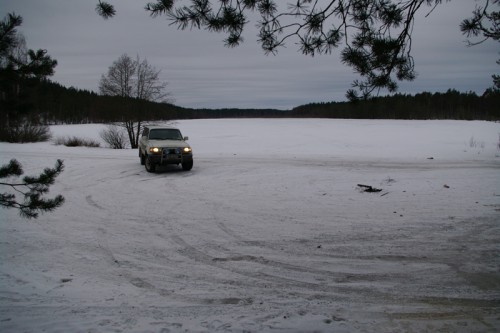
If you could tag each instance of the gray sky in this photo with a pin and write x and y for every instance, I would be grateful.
(202, 73)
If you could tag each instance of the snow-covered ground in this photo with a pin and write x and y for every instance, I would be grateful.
(268, 233)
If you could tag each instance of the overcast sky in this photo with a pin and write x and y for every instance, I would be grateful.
(202, 73)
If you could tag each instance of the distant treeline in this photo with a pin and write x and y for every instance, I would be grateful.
(449, 105)
(53, 103)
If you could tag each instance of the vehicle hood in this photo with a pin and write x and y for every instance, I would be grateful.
(168, 143)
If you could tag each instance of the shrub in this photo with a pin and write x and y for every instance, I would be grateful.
(74, 141)
(114, 136)
(473, 143)
(25, 133)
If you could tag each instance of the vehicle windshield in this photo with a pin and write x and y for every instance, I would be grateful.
(165, 134)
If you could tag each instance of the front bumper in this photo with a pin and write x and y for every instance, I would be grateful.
(171, 156)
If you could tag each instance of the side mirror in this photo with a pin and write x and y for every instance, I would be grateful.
(186, 138)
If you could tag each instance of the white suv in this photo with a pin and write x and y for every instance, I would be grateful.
(161, 145)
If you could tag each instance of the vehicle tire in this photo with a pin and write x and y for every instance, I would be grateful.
(142, 157)
(150, 166)
(187, 165)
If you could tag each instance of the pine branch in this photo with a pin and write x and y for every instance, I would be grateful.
(12, 169)
(105, 9)
(33, 203)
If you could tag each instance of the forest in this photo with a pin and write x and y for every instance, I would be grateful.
(52, 103)
(449, 105)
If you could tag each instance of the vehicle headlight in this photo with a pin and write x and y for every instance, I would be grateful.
(154, 150)
(187, 150)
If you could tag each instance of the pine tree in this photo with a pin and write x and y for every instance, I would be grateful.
(21, 70)
(31, 188)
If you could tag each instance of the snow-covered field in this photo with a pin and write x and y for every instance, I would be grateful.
(268, 233)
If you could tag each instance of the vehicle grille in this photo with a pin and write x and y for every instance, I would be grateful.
(167, 151)
(171, 151)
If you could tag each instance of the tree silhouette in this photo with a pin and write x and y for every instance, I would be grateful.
(21, 69)
(17, 66)
(133, 79)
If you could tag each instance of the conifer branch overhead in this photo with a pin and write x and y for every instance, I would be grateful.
(105, 9)
(375, 35)
(159, 7)
(484, 24)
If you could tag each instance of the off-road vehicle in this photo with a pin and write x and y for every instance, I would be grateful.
(160, 145)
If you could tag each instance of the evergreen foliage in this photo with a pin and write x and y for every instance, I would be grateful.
(375, 35)
(484, 24)
(449, 105)
(56, 104)
(21, 70)
(31, 188)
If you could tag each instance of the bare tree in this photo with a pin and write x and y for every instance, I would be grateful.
(119, 79)
(134, 79)
(149, 87)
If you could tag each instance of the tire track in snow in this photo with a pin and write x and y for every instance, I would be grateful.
(196, 255)
(229, 256)
(142, 283)
(351, 287)
(228, 231)
(92, 203)
(103, 244)
(324, 278)
(338, 277)
(331, 283)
